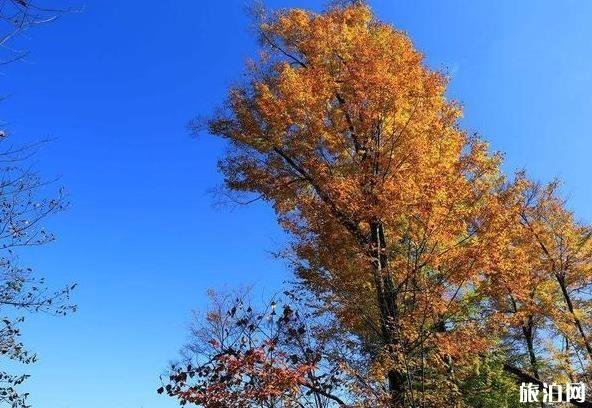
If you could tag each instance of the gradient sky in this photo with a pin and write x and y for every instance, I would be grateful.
(116, 85)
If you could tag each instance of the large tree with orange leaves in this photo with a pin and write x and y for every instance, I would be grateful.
(351, 137)
(402, 223)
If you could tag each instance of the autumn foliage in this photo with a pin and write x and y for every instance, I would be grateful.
(431, 262)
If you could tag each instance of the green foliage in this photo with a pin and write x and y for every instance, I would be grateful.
(489, 386)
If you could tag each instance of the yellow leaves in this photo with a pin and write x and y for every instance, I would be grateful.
(580, 314)
(347, 128)
(358, 15)
(295, 19)
(291, 22)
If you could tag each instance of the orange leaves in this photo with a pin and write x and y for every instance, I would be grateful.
(403, 223)
(241, 380)
(347, 128)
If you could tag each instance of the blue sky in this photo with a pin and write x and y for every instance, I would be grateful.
(116, 85)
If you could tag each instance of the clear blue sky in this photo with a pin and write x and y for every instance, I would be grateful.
(116, 85)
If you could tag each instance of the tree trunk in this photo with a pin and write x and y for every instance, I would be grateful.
(570, 307)
(386, 297)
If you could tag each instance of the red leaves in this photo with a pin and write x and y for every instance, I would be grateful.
(245, 358)
(241, 378)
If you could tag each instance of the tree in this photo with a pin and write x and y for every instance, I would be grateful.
(558, 301)
(402, 223)
(22, 210)
(17, 16)
(24, 205)
(351, 138)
